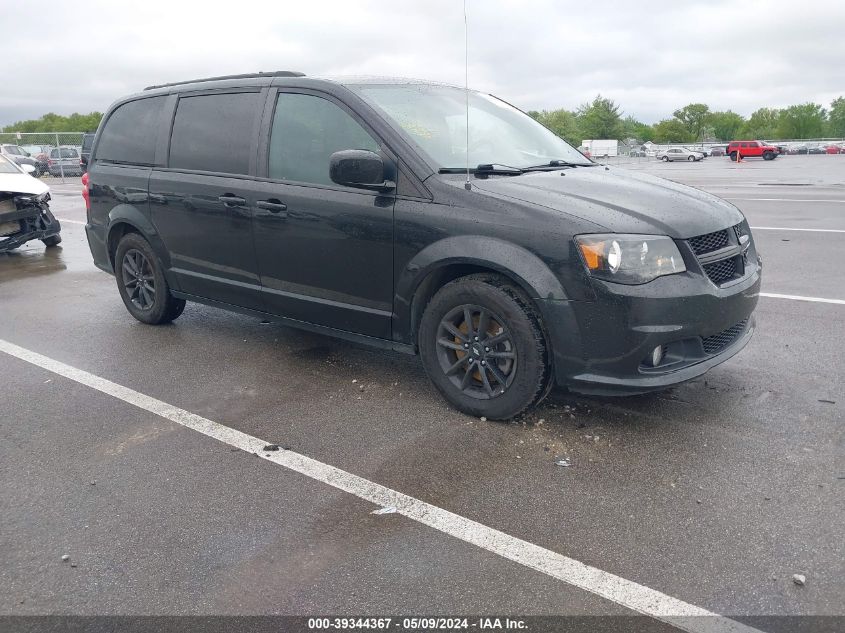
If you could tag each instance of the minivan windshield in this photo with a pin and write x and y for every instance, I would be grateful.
(435, 118)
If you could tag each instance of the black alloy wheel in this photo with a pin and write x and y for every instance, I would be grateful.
(476, 352)
(142, 284)
(138, 279)
(483, 346)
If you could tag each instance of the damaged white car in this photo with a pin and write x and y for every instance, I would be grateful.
(24, 211)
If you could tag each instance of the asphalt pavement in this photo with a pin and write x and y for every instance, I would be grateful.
(714, 493)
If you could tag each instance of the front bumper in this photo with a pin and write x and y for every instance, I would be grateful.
(600, 347)
(36, 222)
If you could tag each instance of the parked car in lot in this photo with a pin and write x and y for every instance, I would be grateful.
(752, 149)
(24, 211)
(679, 153)
(18, 155)
(832, 149)
(717, 151)
(346, 209)
(41, 153)
(85, 153)
(816, 149)
(797, 149)
(64, 161)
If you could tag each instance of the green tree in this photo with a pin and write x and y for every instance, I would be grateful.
(762, 123)
(836, 118)
(807, 120)
(600, 119)
(52, 122)
(694, 118)
(726, 125)
(636, 129)
(672, 131)
(561, 122)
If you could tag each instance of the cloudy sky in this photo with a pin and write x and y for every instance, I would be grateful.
(651, 57)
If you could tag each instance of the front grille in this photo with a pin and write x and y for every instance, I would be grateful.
(721, 271)
(727, 266)
(709, 243)
(716, 343)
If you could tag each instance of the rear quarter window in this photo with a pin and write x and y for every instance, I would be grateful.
(130, 133)
(215, 132)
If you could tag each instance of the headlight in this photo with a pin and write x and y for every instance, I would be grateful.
(629, 259)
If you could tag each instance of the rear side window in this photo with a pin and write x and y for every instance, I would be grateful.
(131, 131)
(215, 132)
(67, 152)
(87, 140)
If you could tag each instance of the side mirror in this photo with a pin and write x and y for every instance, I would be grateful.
(28, 169)
(359, 168)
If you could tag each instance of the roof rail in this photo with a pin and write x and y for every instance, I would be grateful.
(275, 73)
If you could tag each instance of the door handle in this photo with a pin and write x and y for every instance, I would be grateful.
(272, 205)
(231, 200)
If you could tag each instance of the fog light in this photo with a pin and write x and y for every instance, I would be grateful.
(657, 356)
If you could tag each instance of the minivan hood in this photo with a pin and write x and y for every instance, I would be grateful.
(621, 201)
(20, 183)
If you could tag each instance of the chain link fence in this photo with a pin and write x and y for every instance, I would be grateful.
(53, 155)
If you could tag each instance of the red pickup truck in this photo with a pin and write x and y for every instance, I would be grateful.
(746, 149)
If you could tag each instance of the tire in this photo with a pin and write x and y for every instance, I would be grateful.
(665, 159)
(53, 240)
(516, 374)
(768, 156)
(691, 159)
(141, 282)
(733, 156)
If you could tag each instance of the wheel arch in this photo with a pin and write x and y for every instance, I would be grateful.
(125, 219)
(456, 257)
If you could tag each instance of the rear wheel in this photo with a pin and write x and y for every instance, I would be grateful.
(53, 240)
(482, 346)
(141, 282)
(665, 159)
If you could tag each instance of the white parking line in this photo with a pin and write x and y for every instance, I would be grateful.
(783, 228)
(624, 592)
(783, 199)
(800, 298)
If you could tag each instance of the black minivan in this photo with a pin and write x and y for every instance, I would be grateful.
(423, 218)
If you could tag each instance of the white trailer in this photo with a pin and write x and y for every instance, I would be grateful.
(599, 148)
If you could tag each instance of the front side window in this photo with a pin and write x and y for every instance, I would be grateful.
(435, 118)
(13, 149)
(130, 132)
(215, 132)
(307, 130)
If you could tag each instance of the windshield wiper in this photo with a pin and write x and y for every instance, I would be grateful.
(556, 164)
(485, 169)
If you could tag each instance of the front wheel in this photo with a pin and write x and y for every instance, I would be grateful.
(53, 240)
(483, 347)
(665, 159)
(141, 282)
(691, 159)
(733, 156)
(768, 156)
